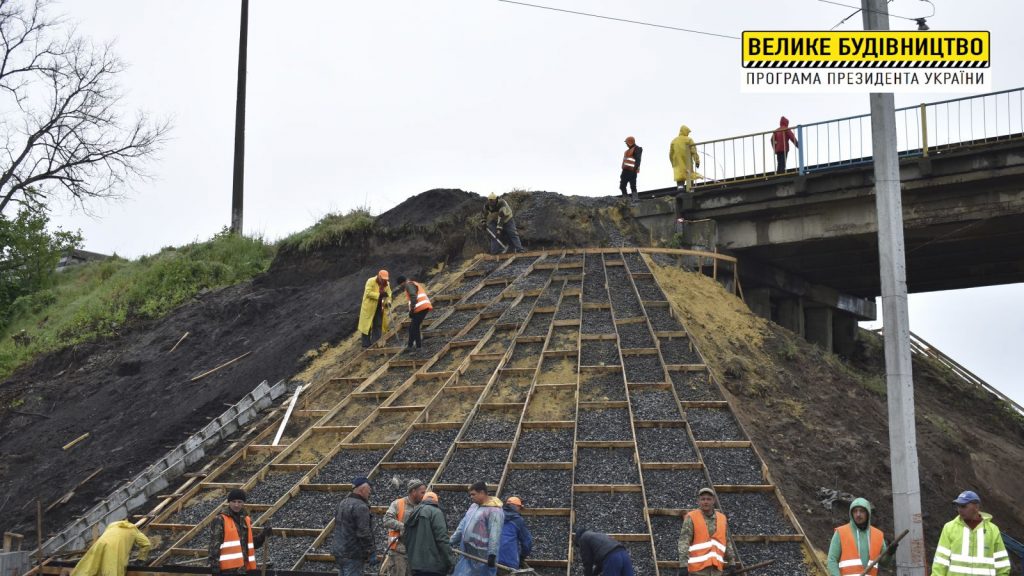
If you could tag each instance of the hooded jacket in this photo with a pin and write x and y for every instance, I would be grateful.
(426, 540)
(516, 540)
(371, 297)
(683, 155)
(862, 537)
(977, 551)
(109, 555)
(479, 534)
(783, 136)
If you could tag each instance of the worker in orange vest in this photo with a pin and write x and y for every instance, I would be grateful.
(704, 541)
(397, 562)
(232, 541)
(630, 166)
(419, 306)
(855, 544)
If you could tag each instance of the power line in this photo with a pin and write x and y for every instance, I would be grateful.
(621, 20)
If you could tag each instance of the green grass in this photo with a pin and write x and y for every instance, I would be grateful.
(99, 299)
(332, 229)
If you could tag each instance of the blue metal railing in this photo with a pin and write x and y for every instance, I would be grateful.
(921, 130)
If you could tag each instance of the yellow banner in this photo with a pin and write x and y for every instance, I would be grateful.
(867, 49)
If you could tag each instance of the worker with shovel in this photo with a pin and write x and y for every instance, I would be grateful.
(426, 539)
(397, 563)
(499, 220)
(233, 542)
(373, 313)
(855, 544)
(704, 541)
(478, 536)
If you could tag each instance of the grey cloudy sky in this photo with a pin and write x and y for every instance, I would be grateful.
(366, 103)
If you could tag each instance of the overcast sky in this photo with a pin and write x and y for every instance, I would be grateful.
(366, 103)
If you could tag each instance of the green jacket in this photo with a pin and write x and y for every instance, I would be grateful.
(426, 540)
(835, 550)
(979, 551)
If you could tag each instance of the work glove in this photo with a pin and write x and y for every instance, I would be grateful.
(891, 549)
(492, 561)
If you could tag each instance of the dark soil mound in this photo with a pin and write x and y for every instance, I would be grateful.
(427, 206)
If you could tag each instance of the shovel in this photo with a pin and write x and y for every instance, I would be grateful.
(875, 562)
(757, 566)
(504, 247)
(521, 571)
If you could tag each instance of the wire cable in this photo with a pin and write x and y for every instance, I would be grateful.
(858, 10)
(691, 31)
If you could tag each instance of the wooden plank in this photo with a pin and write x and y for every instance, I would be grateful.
(72, 444)
(224, 365)
(540, 465)
(723, 444)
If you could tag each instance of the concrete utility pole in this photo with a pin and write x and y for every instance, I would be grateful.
(906, 485)
(238, 180)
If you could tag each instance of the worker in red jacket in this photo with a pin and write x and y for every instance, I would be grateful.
(780, 143)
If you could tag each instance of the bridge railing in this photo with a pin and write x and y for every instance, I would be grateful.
(921, 130)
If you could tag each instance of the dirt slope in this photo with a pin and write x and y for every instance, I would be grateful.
(821, 423)
(135, 399)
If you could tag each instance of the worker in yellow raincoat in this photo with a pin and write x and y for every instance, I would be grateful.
(373, 314)
(109, 555)
(683, 155)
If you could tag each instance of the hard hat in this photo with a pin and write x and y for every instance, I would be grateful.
(514, 500)
(492, 196)
(383, 274)
(430, 497)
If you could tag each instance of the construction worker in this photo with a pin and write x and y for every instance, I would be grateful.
(109, 555)
(479, 534)
(499, 220)
(373, 317)
(516, 540)
(780, 143)
(630, 166)
(683, 155)
(704, 548)
(970, 543)
(353, 547)
(426, 539)
(602, 554)
(419, 306)
(397, 563)
(233, 542)
(856, 544)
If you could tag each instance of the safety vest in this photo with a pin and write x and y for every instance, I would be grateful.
(394, 534)
(849, 560)
(965, 551)
(628, 162)
(231, 556)
(422, 302)
(707, 551)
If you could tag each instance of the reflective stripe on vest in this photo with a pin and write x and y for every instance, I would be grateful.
(628, 162)
(231, 556)
(394, 534)
(849, 559)
(707, 551)
(422, 302)
(967, 563)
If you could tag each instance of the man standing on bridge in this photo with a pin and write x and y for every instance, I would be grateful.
(683, 155)
(780, 143)
(630, 166)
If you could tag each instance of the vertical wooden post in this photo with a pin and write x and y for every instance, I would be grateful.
(924, 130)
(39, 531)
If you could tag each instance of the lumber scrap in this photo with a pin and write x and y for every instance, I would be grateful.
(224, 365)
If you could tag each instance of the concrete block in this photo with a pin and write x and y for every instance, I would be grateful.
(15, 563)
(791, 314)
(818, 326)
(844, 334)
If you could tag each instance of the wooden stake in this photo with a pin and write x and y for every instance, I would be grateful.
(224, 365)
(39, 532)
(180, 340)
(76, 441)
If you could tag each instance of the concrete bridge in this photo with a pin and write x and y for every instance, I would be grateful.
(807, 238)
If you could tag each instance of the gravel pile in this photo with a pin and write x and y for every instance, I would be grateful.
(754, 513)
(594, 289)
(486, 294)
(666, 531)
(603, 424)
(198, 510)
(649, 290)
(308, 509)
(597, 321)
(654, 405)
(492, 426)
(662, 320)
(540, 445)
(549, 298)
(389, 485)
(525, 355)
(569, 309)
(732, 465)
(665, 445)
(602, 387)
(451, 359)
(519, 312)
(636, 335)
(599, 353)
(643, 369)
(273, 487)
(611, 513)
(539, 325)
(348, 464)
(606, 466)
(635, 263)
(540, 489)
(624, 301)
(532, 281)
(470, 465)
(788, 556)
(677, 351)
(713, 424)
(425, 446)
(550, 537)
(673, 488)
(695, 387)
(285, 552)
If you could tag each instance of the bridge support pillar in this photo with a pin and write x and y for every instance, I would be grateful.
(844, 334)
(818, 326)
(791, 314)
(759, 301)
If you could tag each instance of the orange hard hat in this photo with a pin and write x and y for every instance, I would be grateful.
(383, 274)
(514, 500)
(430, 497)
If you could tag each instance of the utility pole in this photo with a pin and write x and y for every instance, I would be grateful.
(238, 180)
(906, 485)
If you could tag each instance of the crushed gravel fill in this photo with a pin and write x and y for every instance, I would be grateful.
(599, 353)
(754, 513)
(654, 405)
(713, 424)
(665, 445)
(644, 369)
(541, 445)
(677, 351)
(732, 465)
(789, 557)
(603, 424)
(425, 446)
(470, 465)
(540, 488)
(611, 513)
(695, 386)
(347, 464)
(675, 489)
(606, 466)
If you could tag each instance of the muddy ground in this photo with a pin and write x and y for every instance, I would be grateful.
(135, 399)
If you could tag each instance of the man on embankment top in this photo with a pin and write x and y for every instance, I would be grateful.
(233, 542)
(970, 543)
(704, 541)
(856, 544)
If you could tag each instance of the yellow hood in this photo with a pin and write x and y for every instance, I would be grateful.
(684, 130)
(492, 502)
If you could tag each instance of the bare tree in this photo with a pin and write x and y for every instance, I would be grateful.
(62, 133)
